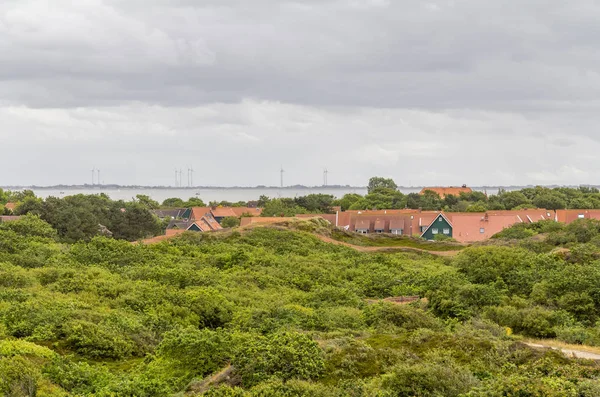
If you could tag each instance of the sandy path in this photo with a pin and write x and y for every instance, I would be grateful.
(383, 249)
(572, 353)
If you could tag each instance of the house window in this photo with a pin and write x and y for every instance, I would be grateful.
(423, 228)
(361, 231)
(439, 220)
(434, 231)
(378, 231)
(446, 231)
(481, 230)
(397, 231)
(581, 216)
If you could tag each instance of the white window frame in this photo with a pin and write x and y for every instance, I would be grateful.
(446, 231)
(481, 230)
(581, 216)
(435, 231)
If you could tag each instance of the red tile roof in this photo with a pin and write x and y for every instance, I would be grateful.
(264, 220)
(379, 224)
(223, 212)
(239, 211)
(446, 191)
(199, 212)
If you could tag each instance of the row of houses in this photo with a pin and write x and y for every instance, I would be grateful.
(466, 227)
(203, 219)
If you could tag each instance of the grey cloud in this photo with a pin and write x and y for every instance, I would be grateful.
(444, 54)
(427, 92)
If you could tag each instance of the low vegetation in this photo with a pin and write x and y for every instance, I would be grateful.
(291, 315)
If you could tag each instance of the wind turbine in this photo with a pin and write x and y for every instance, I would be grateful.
(98, 177)
(325, 173)
(93, 174)
(281, 171)
(192, 176)
(176, 178)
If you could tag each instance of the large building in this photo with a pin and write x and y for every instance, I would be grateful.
(466, 227)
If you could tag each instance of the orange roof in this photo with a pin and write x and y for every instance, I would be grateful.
(239, 211)
(10, 206)
(328, 217)
(199, 212)
(447, 191)
(264, 220)
(362, 223)
(207, 223)
(568, 216)
(223, 212)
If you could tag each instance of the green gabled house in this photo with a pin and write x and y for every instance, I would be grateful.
(440, 225)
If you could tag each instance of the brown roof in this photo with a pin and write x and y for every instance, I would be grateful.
(328, 217)
(239, 211)
(10, 206)
(446, 191)
(362, 224)
(568, 216)
(199, 212)
(264, 220)
(223, 212)
(379, 224)
(396, 223)
(207, 223)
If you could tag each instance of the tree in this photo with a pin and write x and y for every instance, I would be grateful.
(348, 200)
(379, 182)
(550, 202)
(173, 202)
(316, 203)
(147, 202)
(511, 200)
(194, 202)
(230, 221)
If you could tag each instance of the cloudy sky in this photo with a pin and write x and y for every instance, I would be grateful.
(426, 92)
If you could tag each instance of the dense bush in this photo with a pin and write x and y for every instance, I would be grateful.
(282, 313)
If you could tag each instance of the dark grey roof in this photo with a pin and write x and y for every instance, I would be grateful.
(174, 213)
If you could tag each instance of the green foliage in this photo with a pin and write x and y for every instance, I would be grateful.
(230, 221)
(378, 182)
(198, 352)
(82, 217)
(292, 315)
(286, 355)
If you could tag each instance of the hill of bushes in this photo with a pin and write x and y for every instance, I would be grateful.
(292, 315)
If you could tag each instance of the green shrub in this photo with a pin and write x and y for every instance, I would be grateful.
(286, 355)
(405, 316)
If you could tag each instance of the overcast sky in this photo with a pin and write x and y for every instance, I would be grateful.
(425, 92)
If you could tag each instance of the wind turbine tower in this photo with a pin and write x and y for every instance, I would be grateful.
(281, 171)
(99, 183)
(325, 174)
(93, 175)
(192, 176)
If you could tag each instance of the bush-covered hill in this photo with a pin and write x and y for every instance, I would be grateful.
(292, 315)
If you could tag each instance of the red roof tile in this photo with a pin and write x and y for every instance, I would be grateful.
(446, 191)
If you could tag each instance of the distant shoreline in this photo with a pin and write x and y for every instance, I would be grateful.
(133, 187)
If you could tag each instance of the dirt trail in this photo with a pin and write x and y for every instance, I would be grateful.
(330, 240)
(382, 249)
(215, 379)
(572, 353)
